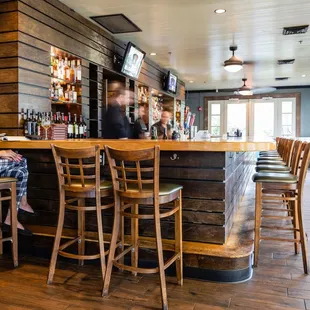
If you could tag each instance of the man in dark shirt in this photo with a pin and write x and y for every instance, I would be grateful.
(163, 125)
(116, 124)
(139, 128)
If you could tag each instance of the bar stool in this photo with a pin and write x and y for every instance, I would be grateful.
(284, 187)
(136, 182)
(10, 184)
(78, 173)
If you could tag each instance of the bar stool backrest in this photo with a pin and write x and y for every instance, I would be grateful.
(287, 153)
(303, 166)
(280, 145)
(135, 174)
(78, 170)
(295, 156)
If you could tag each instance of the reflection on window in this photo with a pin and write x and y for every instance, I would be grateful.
(264, 119)
(215, 119)
(287, 118)
(236, 118)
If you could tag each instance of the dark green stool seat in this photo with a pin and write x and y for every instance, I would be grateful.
(286, 178)
(272, 168)
(269, 158)
(271, 162)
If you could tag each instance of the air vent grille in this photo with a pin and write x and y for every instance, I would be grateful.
(295, 30)
(286, 61)
(116, 23)
(282, 78)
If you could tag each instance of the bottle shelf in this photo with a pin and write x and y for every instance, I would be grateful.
(66, 82)
(58, 102)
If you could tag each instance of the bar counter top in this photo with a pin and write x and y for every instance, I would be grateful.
(246, 144)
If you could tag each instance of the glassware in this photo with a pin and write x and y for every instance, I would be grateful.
(46, 124)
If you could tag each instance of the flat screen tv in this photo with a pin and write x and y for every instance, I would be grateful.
(133, 60)
(171, 83)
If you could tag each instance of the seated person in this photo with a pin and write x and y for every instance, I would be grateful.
(163, 125)
(13, 165)
(139, 128)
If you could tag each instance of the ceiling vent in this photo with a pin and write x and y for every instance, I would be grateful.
(286, 61)
(295, 30)
(116, 23)
(282, 78)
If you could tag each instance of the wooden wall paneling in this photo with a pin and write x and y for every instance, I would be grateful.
(8, 89)
(9, 21)
(8, 49)
(11, 36)
(8, 6)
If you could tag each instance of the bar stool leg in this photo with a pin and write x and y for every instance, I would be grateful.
(14, 224)
(113, 243)
(81, 231)
(60, 224)
(135, 237)
(258, 220)
(1, 234)
(121, 237)
(100, 237)
(303, 240)
(159, 247)
(294, 205)
(178, 240)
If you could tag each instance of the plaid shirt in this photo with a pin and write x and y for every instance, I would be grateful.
(18, 170)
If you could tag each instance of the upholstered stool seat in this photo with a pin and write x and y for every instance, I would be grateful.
(273, 168)
(275, 178)
(271, 162)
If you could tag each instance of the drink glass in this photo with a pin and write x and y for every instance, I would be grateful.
(46, 124)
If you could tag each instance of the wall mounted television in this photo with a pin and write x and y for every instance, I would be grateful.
(171, 83)
(133, 60)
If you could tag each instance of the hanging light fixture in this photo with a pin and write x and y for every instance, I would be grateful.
(233, 64)
(245, 90)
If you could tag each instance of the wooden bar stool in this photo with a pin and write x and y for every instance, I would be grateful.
(78, 173)
(279, 187)
(136, 182)
(10, 184)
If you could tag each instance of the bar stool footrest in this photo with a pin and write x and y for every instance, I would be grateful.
(77, 256)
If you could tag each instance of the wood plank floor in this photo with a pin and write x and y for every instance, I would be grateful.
(278, 283)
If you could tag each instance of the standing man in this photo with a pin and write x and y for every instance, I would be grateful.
(163, 125)
(116, 124)
(15, 166)
(139, 128)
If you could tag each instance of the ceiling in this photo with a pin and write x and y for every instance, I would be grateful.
(192, 40)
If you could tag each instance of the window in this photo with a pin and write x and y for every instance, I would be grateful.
(255, 117)
(237, 117)
(215, 121)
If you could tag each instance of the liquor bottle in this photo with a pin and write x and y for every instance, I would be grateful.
(39, 120)
(67, 97)
(52, 92)
(74, 95)
(78, 72)
(72, 71)
(67, 70)
(71, 94)
(28, 131)
(154, 135)
(70, 127)
(56, 68)
(62, 119)
(60, 92)
(165, 137)
(85, 128)
(75, 128)
(22, 119)
(34, 122)
(52, 66)
(81, 128)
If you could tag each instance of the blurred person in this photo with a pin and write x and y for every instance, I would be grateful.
(116, 124)
(13, 165)
(163, 125)
(139, 128)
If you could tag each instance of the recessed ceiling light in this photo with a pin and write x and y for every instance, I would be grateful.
(191, 81)
(153, 54)
(220, 11)
(304, 75)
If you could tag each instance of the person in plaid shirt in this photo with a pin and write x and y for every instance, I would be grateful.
(15, 166)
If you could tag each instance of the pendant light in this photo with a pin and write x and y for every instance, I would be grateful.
(245, 90)
(233, 64)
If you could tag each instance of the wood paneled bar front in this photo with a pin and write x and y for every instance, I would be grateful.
(214, 175)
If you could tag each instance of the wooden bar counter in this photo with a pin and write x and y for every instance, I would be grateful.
(214, 174)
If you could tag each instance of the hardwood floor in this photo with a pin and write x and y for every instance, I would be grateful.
(277, 283)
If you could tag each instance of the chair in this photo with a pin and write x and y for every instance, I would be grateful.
(10, 184)
(136, 182)
(281, 187)
(78, 173)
